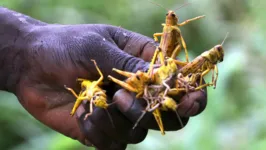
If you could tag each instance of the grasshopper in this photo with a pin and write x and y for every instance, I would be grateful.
(157, 102)
(90, 92)
(136, 82)
(171, 38)
(204, 63)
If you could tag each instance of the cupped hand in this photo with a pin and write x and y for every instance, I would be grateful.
(51, 56)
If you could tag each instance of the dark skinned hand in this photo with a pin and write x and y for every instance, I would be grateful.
(37, 59)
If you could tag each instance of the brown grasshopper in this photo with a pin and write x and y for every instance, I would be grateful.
(204, 63)
(171, 38)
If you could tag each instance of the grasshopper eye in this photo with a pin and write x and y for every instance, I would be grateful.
(137, 77)
(167, 14)
(173, 15)
(94, 97)
(219, 48)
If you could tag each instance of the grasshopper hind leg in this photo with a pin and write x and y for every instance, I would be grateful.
(157, 115)
(123, 84)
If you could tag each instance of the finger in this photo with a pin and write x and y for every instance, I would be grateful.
(98, 138)
(133, 108)
(118, 127)
(133, 43)
(192, 104)
(79, 115)
(172, 122)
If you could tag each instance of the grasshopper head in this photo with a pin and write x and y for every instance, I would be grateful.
(141, 76)
(99, 99)
(169, 103)
(171, 18)
(172, 65)
(170, 61)
(220, 52)
(214, 55)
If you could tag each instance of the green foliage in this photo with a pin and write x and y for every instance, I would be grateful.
(234, 117)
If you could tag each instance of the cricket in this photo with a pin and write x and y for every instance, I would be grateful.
(172, 40)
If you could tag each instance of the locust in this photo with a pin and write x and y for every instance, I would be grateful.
(91, 92)
(136, 82)
(172, 40)
(199, 67)
(157, 102)
(143, 83)
(205, 63)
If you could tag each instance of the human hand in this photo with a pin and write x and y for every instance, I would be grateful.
(47, 57)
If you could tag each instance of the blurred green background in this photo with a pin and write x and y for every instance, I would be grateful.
(235, 114)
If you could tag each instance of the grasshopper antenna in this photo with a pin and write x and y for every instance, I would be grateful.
(110, 118)
(225, 38)
(140, 117)
(187, 3)
(157, 5)
(179, 119)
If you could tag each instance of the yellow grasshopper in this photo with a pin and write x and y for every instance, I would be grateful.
(171, 38)
(157, 102)
(90, 92)
(136, 82)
